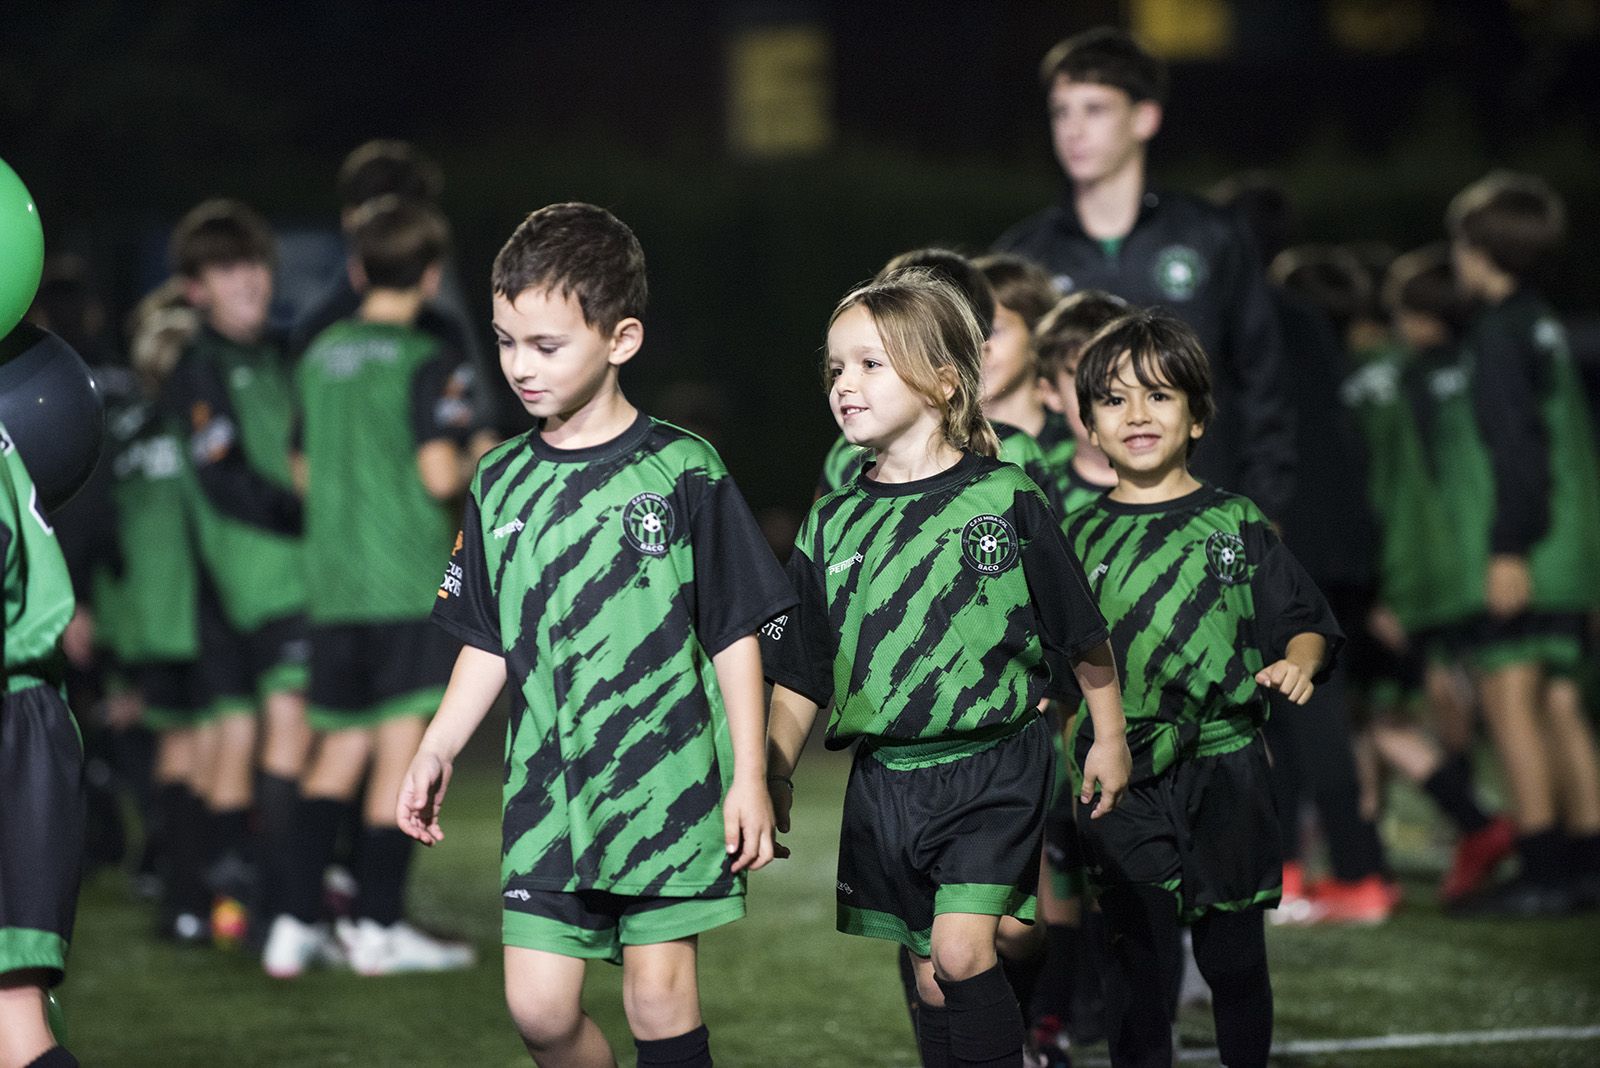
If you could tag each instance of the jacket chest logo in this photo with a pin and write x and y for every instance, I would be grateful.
(1179, 272)
(1225, 560)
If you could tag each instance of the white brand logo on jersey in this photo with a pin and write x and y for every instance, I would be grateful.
(844, 888)
(774, 628)
(845, 565)
(513, 527)
(518, 895)
(1099, 572)
(451, 586)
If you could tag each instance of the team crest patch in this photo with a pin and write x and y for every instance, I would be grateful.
(647, 523)
(1179, 272)
(989, 544)
(1225, 557)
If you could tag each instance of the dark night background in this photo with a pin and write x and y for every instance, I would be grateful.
(120, 116)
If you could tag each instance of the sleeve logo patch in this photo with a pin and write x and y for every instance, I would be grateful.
(1225, 560)
(989, 544)
(647, 523)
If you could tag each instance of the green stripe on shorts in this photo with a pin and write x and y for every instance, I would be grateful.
(25, 947)
(283, 678)
(1267, 897)
(983, 899)
(1560, 654)
(873, 924)
(416, 703)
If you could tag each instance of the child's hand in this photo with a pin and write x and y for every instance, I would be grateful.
(747, 825)
(1507, 586)
(780, 790)
(1106, 771)
(1288, 678)
(421, 794)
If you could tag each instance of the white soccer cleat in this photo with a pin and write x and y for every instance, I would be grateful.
(377, 950)
(293, 946)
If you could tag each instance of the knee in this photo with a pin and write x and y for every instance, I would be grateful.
(962, 959)
(544, 1022)
(663, 1003)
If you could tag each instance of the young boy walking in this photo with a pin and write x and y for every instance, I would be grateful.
(608, 568)
(1209, 614)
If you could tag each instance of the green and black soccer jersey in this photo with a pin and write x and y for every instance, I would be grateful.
(934, 614)
(155, 589)
(371, 394)
(608, 578)
(1513, 444)
(1418, 562)
(1080, 493)
(1056, 442)
(845, 461)
(38, 592)
(235, 404)
(1200, 595)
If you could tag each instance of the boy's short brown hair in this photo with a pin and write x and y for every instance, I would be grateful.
(581, 251)
(1059, 336)
(1423, 282)
(1106, 56)
(388, 168)
(1516, 220)
(1330, 278)
(1019, 284)
(217, 233)
(1164, 352)
(397, 240)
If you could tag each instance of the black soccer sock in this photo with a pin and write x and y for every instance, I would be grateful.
(689, 1050)
(1542, 855)
(316, 823)
(183, 818)
(1086, 1021)
(1141, 987)
(1231, 950)
(276, 801)
(1023, 976)
(385, 854)
(54, 1057)
(1451, 789)
(1583, 852)
(986, 1029)
(933, 1036)
(230, 829)
(1063, 945)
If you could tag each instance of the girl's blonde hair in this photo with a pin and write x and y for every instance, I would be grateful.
(933, 342)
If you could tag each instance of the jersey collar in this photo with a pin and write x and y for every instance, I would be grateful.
(623, 443)
(958, 472)
(1176, 504)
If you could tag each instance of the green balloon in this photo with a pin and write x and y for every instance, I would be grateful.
(21, 249)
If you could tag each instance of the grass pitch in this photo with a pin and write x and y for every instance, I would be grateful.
(781, 988)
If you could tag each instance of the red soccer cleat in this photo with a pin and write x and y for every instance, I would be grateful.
(1364, 901)
(1477, 855)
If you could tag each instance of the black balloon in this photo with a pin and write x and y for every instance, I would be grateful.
(51, 409)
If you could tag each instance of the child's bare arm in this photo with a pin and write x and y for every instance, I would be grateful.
(1292, 675)
(788, 727)
(1109, 763)
(474, 684)
(445, 468)
(746, 811)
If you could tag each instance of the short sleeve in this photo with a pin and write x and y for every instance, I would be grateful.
(738, 583)
(442, 400)
(797, 648)
(1287, 602)
(1069, 620)
(466, 603)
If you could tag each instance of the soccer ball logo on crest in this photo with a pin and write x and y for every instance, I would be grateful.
(647, 523)
(1225, 557)
(989, 544)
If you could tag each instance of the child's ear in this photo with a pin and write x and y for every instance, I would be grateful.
(193, 292)
(1197, 431)
(948, 381)
(1146, 119)
(358, 275)
(626, 337)
(432, 279)
(1051, 396)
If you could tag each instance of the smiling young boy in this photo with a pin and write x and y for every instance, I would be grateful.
(609, 568)
(1208, 614)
